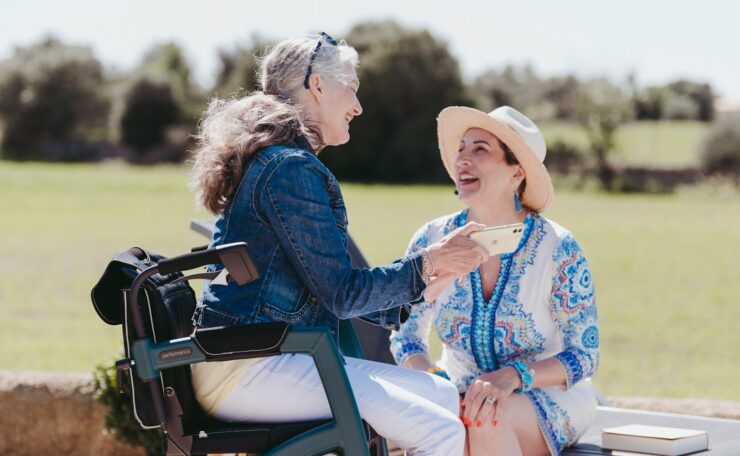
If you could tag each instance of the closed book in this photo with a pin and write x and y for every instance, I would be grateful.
(654, 439)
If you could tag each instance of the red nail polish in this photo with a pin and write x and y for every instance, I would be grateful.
(495, 423)
(478, 424)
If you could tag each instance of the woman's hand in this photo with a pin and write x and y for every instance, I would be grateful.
(487, 395)
(456, 254)
(452, 257)
(418, 361)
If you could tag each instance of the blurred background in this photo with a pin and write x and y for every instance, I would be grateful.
(639, 103)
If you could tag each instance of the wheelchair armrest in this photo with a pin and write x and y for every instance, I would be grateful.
(235, 258)
(242, 341)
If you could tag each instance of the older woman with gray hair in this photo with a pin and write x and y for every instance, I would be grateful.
(256, 168)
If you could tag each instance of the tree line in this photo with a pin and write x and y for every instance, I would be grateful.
(58, 103)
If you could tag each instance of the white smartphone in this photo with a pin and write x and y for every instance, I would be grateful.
(499, 239)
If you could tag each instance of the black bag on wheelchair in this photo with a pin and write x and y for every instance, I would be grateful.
(166, 305)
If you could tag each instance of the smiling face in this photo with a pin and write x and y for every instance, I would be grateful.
(338, 106)
(484, 176)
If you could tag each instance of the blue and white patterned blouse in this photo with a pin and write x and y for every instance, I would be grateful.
(542, 307)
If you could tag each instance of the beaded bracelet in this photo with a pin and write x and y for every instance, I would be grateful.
(427, 267)
(524, 375)
(438, 372)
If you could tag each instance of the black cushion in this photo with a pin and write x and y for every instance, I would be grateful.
(222, 437)
(242, 341)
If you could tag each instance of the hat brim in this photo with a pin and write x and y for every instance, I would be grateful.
(454, 121)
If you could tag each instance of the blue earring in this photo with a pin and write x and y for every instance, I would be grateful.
(517, 203)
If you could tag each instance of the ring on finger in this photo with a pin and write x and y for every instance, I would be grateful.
(490, 400)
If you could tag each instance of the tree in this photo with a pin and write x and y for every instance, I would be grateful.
(602, 108)
(167, 62)
(562, 92)
(682, 99)
(239, 68)
(701, 94)
(678, 106)
(720, 149)
(522, 88)
(649, 103)
(150, 108)
(51, 101)
(512, 86)
(406, 78)
(157, 106)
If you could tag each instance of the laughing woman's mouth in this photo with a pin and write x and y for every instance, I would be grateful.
(467, 179)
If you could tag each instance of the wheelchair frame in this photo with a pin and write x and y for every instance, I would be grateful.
(343, 433)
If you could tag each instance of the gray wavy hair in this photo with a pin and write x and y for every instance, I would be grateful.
(232, 130)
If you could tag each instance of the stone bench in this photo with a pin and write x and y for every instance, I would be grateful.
(54, 413)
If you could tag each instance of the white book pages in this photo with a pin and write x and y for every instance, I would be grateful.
(654, 439)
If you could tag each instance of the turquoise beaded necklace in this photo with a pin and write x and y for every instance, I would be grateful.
(484, 313)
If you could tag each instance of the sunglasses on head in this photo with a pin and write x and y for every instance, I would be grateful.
(322, 36)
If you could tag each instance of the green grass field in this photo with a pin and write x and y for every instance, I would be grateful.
(665, 267)
(645, 143)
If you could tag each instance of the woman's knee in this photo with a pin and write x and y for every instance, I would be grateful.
(454, 433)
(519, 413)
(444, 429)
(449, 397)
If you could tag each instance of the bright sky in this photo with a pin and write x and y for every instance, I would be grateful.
(657, 40)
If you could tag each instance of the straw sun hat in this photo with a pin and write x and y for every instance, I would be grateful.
(513, 129)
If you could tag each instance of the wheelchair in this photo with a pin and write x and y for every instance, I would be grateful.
(150, 297)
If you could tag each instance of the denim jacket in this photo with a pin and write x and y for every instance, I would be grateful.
(290, 211)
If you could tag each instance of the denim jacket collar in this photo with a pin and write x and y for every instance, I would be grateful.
(302, 142)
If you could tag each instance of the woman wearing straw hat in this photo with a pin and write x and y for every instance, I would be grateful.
(520, 333)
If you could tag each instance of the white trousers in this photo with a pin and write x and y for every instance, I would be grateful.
(417, 410)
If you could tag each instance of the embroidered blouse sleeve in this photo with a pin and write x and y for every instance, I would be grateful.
(573, 308)
(412, 336)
